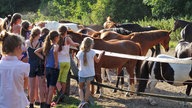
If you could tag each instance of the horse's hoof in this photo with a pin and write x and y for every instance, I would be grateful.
(127, 95)
(152, 102)
(100, 96)
(97, 92)
(114, 90)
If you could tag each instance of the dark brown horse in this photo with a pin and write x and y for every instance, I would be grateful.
(180, 24)
(117, 46)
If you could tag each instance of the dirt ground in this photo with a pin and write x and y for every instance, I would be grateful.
(119, 100)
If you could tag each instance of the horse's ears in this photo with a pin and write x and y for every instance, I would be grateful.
(169, 32)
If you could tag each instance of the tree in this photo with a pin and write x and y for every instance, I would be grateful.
(169, 8)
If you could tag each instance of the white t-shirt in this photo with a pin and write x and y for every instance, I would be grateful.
(63, 55)
(89, 69)
(12, 74)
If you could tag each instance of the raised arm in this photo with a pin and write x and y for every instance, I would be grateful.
(71, 42)
(97, 59)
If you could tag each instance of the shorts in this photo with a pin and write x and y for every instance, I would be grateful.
(85, 79)
(35, 71)
(64, 70)
(52, 76)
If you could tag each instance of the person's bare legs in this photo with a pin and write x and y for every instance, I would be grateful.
(32, 84)
(81, 93)
(50, 95)
(41, 88)
(87, 92)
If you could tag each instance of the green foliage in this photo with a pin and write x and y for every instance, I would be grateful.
(169, 8)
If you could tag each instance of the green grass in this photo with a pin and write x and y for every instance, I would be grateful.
(72, 102)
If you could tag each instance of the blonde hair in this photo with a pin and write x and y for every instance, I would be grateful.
(86, 47)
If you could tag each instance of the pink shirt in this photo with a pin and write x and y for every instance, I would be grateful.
(12, 74)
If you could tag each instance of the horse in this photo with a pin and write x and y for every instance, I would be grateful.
(137, 28)
(183, 49)
(146, 40)
(134, 27)
(186, 33)
(173, 74)
(86, 30)
(180, 24)
(117, 30)
(117, 46)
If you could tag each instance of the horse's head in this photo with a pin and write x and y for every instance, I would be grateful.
(109, 24)
(166, 39)
(176, 25)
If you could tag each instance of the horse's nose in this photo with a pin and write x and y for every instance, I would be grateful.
(167, 49)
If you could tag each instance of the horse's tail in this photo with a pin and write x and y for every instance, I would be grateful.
(157, 50)
(139, 62)
(144, 75)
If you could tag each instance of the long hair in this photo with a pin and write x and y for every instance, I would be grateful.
(14, 18)
(34, 33)
(9, 42)
(25, 28)
(62, 31)
(86, 47)
(50, 38)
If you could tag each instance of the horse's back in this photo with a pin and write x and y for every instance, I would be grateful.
(119, 46)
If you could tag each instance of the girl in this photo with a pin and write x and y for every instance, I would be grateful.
(15, 24)
(32, 44)
(12, 72)
(64, 59)
(26, 29)
(50, 51)
(86, 57)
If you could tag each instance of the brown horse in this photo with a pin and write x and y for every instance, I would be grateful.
(117, 46)
(86, 30)
(146, 40)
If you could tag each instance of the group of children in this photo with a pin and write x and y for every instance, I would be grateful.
(37, 59)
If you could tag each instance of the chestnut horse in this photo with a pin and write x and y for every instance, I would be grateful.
(146, 39)
(117, 46)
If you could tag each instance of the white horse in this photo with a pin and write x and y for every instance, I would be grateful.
(174, 74)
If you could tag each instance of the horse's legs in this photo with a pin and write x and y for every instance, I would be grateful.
(103, 74)
(109, 76)
(188, 90)
(130, 66)
(152, 85)
(122, 78)
(119, 73)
